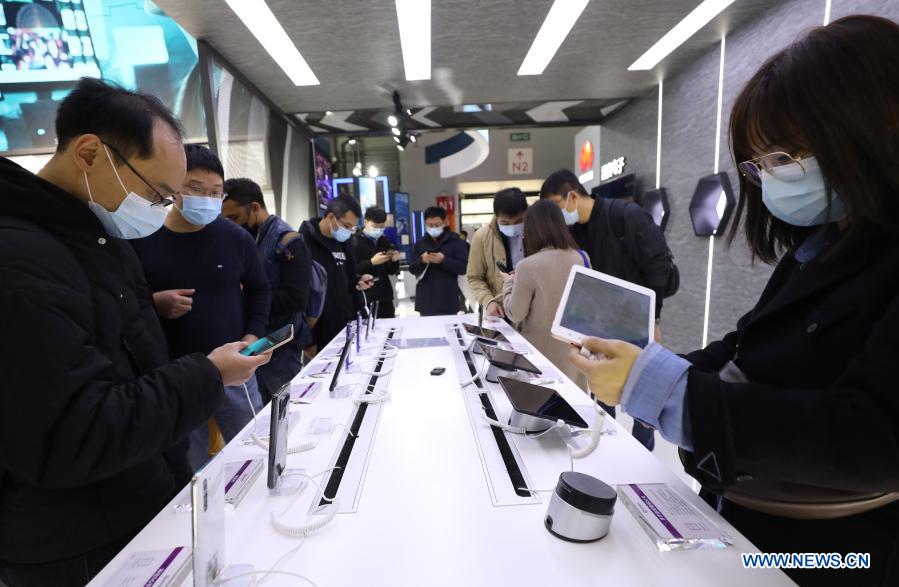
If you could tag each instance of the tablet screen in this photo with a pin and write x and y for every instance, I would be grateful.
(539, 401)
(599, 308)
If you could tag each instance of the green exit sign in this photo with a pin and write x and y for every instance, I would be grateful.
(520, 137)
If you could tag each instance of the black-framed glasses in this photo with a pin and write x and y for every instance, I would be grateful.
(781, 165)
(191, 191)
(162, 201)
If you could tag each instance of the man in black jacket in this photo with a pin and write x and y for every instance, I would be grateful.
(438, 260)
(623, 241)
(90, 406)
(289, 269)
(328, 241)
(377, 256)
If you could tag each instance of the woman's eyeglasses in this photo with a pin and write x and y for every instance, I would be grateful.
(781, 165)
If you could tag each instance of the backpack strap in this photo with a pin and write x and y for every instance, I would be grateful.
(585, 258)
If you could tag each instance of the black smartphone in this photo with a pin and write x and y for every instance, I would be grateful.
(502, 267)
(485, 333)
(539, 401)
(438, 370)
(270, 342)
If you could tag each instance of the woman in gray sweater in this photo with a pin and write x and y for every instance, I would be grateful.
(532, 292)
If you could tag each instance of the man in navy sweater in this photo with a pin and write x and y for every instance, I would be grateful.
(437, 261)
(208, 286)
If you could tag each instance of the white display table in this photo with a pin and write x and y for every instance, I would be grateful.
(425, 512)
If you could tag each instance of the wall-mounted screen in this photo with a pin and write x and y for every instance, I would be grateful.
(45, 41)
(47, 45)
(712, 204)
(655, 202)
(622, 188)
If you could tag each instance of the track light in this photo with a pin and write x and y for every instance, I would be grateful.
(351, 142)
(372, 171)
(412, 138)
(357, 171)
(401, 148)
(392, 120)
(397, 139)
(395, 131)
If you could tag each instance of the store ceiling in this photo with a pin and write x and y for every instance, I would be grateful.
(353, 47)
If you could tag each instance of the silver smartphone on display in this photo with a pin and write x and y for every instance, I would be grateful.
(207, 495)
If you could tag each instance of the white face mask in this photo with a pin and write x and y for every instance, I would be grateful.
(512, 230)
(802, 202)
(571, 218)
(134, 218)
(374, 233)
(435, 232)
(200, 210)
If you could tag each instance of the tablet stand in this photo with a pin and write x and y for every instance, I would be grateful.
(494, 372)
(529, 423)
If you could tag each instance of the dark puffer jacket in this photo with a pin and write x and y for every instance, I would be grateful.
(88, 405)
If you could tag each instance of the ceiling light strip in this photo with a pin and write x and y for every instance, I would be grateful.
(682, 31)
(263, 25)
(561, 18)
(414, 19)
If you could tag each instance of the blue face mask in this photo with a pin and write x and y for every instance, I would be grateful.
(435, 232)
(374, 233)
(512, 230)
(200, 210)
(802, 202)
(341, 233)
(572, 217)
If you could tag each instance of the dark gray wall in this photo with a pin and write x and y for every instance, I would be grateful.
(689, 114)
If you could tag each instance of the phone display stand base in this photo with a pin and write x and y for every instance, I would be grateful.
(494, 372)
(290, 482)
(236, 571)
(343, 391)
(528, 423)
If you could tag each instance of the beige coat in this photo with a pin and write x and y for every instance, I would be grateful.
(531, 297)
(483, 275)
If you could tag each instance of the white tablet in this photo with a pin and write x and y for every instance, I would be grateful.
(596, 304)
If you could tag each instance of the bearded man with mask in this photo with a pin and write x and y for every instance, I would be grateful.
(328, 239)
(208, 287)
(91, 409)
(287, 265)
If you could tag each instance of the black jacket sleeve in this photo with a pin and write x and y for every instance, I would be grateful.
(364, 250)
(82, 424)
(256, 291)
(295, 266)
(653, 258)
(455, 257)
(748, 428)
(416, 266)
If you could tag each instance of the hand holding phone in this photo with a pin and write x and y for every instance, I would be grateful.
(503, 267)
(234, 367)
(271, 341)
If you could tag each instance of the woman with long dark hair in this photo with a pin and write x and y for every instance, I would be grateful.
(791, 421)
(532, 293)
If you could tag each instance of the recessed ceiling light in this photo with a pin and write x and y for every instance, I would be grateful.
(562, 16)
(372, 171)
(263, 25)
(414, 19)
(391, 120)
(351, 142)
(682, 31)
(328, 113)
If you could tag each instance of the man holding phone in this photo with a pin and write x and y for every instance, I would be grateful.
(91, 408)
(209, 287)
(377, 256)
(438, 260)
(328, 241)
(499, 243)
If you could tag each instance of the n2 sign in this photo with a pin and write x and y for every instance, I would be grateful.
(521, 161)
